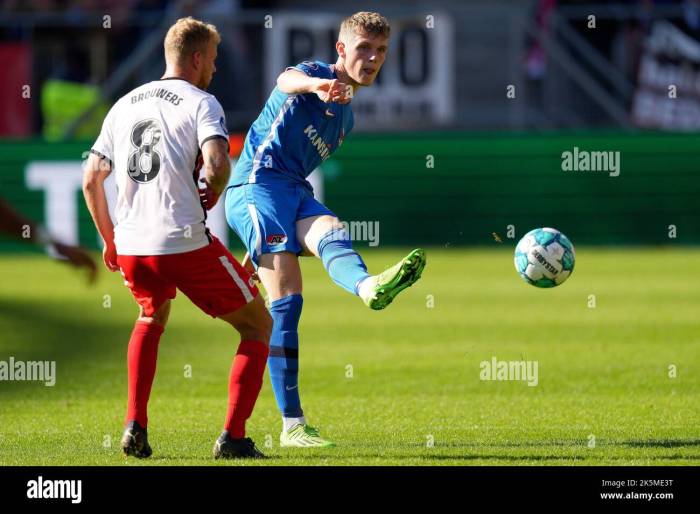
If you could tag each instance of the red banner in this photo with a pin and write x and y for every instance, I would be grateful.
(16, 91)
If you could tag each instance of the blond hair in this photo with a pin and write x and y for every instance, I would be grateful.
(188, 36)
(364, 22)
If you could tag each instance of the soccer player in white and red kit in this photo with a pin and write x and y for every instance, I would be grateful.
(156, 139)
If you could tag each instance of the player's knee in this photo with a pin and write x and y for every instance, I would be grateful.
(153, 319)
(160, 316)
(327, 224)
(265, 326)
(258, 324)
(287, 286)
(310, 232)
(259, 328)
(286, 280)
(332, 231)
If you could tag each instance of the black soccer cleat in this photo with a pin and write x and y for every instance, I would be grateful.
(135, 441)
(228, 448)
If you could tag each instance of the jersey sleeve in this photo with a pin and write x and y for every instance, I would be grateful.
(104, 146)
(312, 69)
(211, 122)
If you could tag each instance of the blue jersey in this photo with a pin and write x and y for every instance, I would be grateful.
(294, 133)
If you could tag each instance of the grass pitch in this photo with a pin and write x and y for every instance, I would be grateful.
(618, 372)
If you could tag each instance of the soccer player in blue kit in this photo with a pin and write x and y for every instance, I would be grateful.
(270, 204)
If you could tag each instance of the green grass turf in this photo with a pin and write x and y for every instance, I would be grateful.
(603, 371)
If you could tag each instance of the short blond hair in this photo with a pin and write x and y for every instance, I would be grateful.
(188, 36)
(365, 22)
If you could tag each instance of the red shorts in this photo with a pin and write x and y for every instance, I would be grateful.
(210, 277)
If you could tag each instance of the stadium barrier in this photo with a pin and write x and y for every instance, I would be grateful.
(446, 189)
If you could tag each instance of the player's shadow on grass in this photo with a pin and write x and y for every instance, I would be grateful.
(308, 457)
(658, 443)
(34, 331)
(419, 456)
(639, 443)
(202, 460)
(566, 458)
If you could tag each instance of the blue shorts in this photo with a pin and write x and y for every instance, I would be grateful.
(264, 214)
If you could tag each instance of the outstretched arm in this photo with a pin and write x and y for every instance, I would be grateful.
(295, 82)
(15, 224)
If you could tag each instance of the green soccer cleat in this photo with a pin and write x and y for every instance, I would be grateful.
(303, 436)
(385, 286)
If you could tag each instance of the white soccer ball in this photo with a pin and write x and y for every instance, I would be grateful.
(544, 257)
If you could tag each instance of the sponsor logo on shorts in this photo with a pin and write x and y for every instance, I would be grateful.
(276, 239)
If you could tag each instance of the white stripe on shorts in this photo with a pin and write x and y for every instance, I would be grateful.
(258, 240)
(237, 279)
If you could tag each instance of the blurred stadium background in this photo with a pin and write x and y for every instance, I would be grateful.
(471, 114)
(458, 144)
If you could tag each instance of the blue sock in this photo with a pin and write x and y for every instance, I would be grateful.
(343, 264)
(283, 361)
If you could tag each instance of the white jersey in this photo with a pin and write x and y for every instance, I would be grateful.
(152, 138)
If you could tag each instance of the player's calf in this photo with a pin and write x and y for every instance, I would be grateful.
(142, 355)
(254, 324)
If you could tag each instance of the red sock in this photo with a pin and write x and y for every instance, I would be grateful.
(244, 385)
(141, 360)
